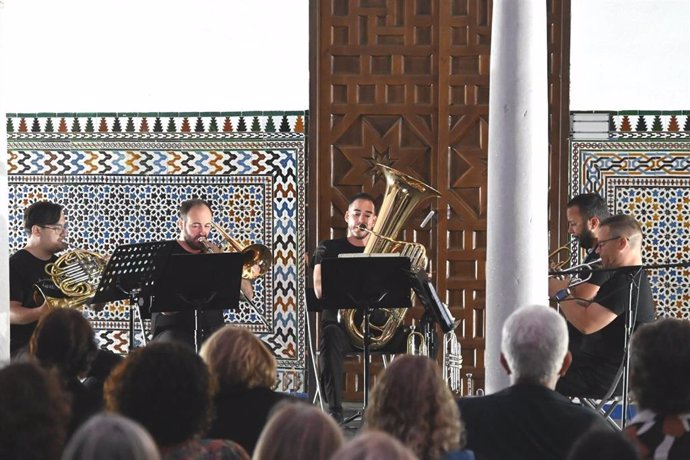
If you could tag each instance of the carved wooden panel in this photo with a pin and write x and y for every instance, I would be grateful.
(406, 83)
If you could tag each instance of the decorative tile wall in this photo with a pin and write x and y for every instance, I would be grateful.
(643, 169)
(123, 176)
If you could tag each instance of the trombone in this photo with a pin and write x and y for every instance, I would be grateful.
(255, 255)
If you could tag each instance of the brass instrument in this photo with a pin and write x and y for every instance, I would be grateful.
(452, 362)
(255, 255)
(416, 343)
(403, 193)
(577, 269)
(76, 274)
(560, 257)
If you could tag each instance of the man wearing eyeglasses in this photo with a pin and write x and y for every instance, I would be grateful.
(44, 224)
(602, 320)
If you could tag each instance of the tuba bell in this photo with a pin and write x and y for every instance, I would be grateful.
(76, 274)
(403, 194)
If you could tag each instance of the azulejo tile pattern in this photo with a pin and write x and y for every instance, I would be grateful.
(647, 177)
(122, 177)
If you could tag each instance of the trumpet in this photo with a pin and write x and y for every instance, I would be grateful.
(560, 257)
(577, 270)
(416, 343)
(255, 255)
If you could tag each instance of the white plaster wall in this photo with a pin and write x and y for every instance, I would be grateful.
(630, 54)
(156, 55)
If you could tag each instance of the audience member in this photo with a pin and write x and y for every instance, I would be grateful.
(64, 340)
(602, 445)
(298, 431)
(246, 373)
(167, 388)
(529, 419)
(374, 445)
(411, 401)
(34, 412)
(111, 437)
(659, 376)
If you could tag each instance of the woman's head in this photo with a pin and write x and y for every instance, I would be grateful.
(411, 401)
(298, 431)
(64, 339)
(165, 387)
(235, 356)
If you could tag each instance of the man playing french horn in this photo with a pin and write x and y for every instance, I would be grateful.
(195, 224)
(44, 224)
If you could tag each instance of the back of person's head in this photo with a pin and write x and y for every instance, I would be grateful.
(165, 387)
(34, 413)
(374, 445)
(236, 357)
(109, 436)
(65, 340)
(534, 343)
(298, 431)
(41, 213)
(411, 401)
(603, 445)
(590, 205)
(660, 366)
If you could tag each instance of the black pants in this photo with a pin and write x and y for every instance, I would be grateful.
(334, 344)
(589, 378)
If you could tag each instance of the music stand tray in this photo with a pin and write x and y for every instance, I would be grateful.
(366, 282)
(130, 274)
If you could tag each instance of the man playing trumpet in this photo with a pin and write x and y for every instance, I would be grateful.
(584, 213)
(44, 224)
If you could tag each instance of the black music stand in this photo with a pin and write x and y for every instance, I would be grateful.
(130, 274)
(198, 282)
(366, 282)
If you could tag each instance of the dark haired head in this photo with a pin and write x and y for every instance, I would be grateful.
(590, 205)
(193, 203)
(64, 339)
(166, 388)
(34, 413)
(361, 196)
(602, 445)
(660, 366)
(622, 225)
(41, 213)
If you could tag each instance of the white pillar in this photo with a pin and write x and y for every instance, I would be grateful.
(517, 247)
(4, 212)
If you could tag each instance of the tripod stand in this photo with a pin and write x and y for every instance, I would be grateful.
(366, 282)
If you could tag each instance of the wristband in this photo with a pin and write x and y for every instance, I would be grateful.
(562, 294)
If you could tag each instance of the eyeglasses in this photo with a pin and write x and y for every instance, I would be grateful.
(57, 228)
(603, 242)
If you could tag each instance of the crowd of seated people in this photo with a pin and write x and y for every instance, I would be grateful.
(164, 401)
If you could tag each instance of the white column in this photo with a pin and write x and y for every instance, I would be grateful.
(517, 247)
(4, 212)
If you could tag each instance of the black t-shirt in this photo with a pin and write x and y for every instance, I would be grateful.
(606, 345)
(25, 271)
(331, 249)
(208, 320)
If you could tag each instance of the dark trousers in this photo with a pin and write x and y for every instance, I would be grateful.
(588, 378)
(333, 344)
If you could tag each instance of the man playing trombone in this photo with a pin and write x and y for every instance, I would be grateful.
(584, 213)
(44, 224)
(195, 223)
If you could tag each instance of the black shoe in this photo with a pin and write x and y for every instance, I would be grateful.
(337, 415)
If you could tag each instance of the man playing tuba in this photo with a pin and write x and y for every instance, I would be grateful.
(44, 223)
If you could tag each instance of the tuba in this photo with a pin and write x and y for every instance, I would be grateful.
(76, 274)
(403, 194)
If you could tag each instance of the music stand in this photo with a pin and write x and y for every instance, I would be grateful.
(366, 282)
(198, 282)
(129, 274)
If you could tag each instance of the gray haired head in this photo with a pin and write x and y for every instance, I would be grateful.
(108, 436)
(534, 344)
